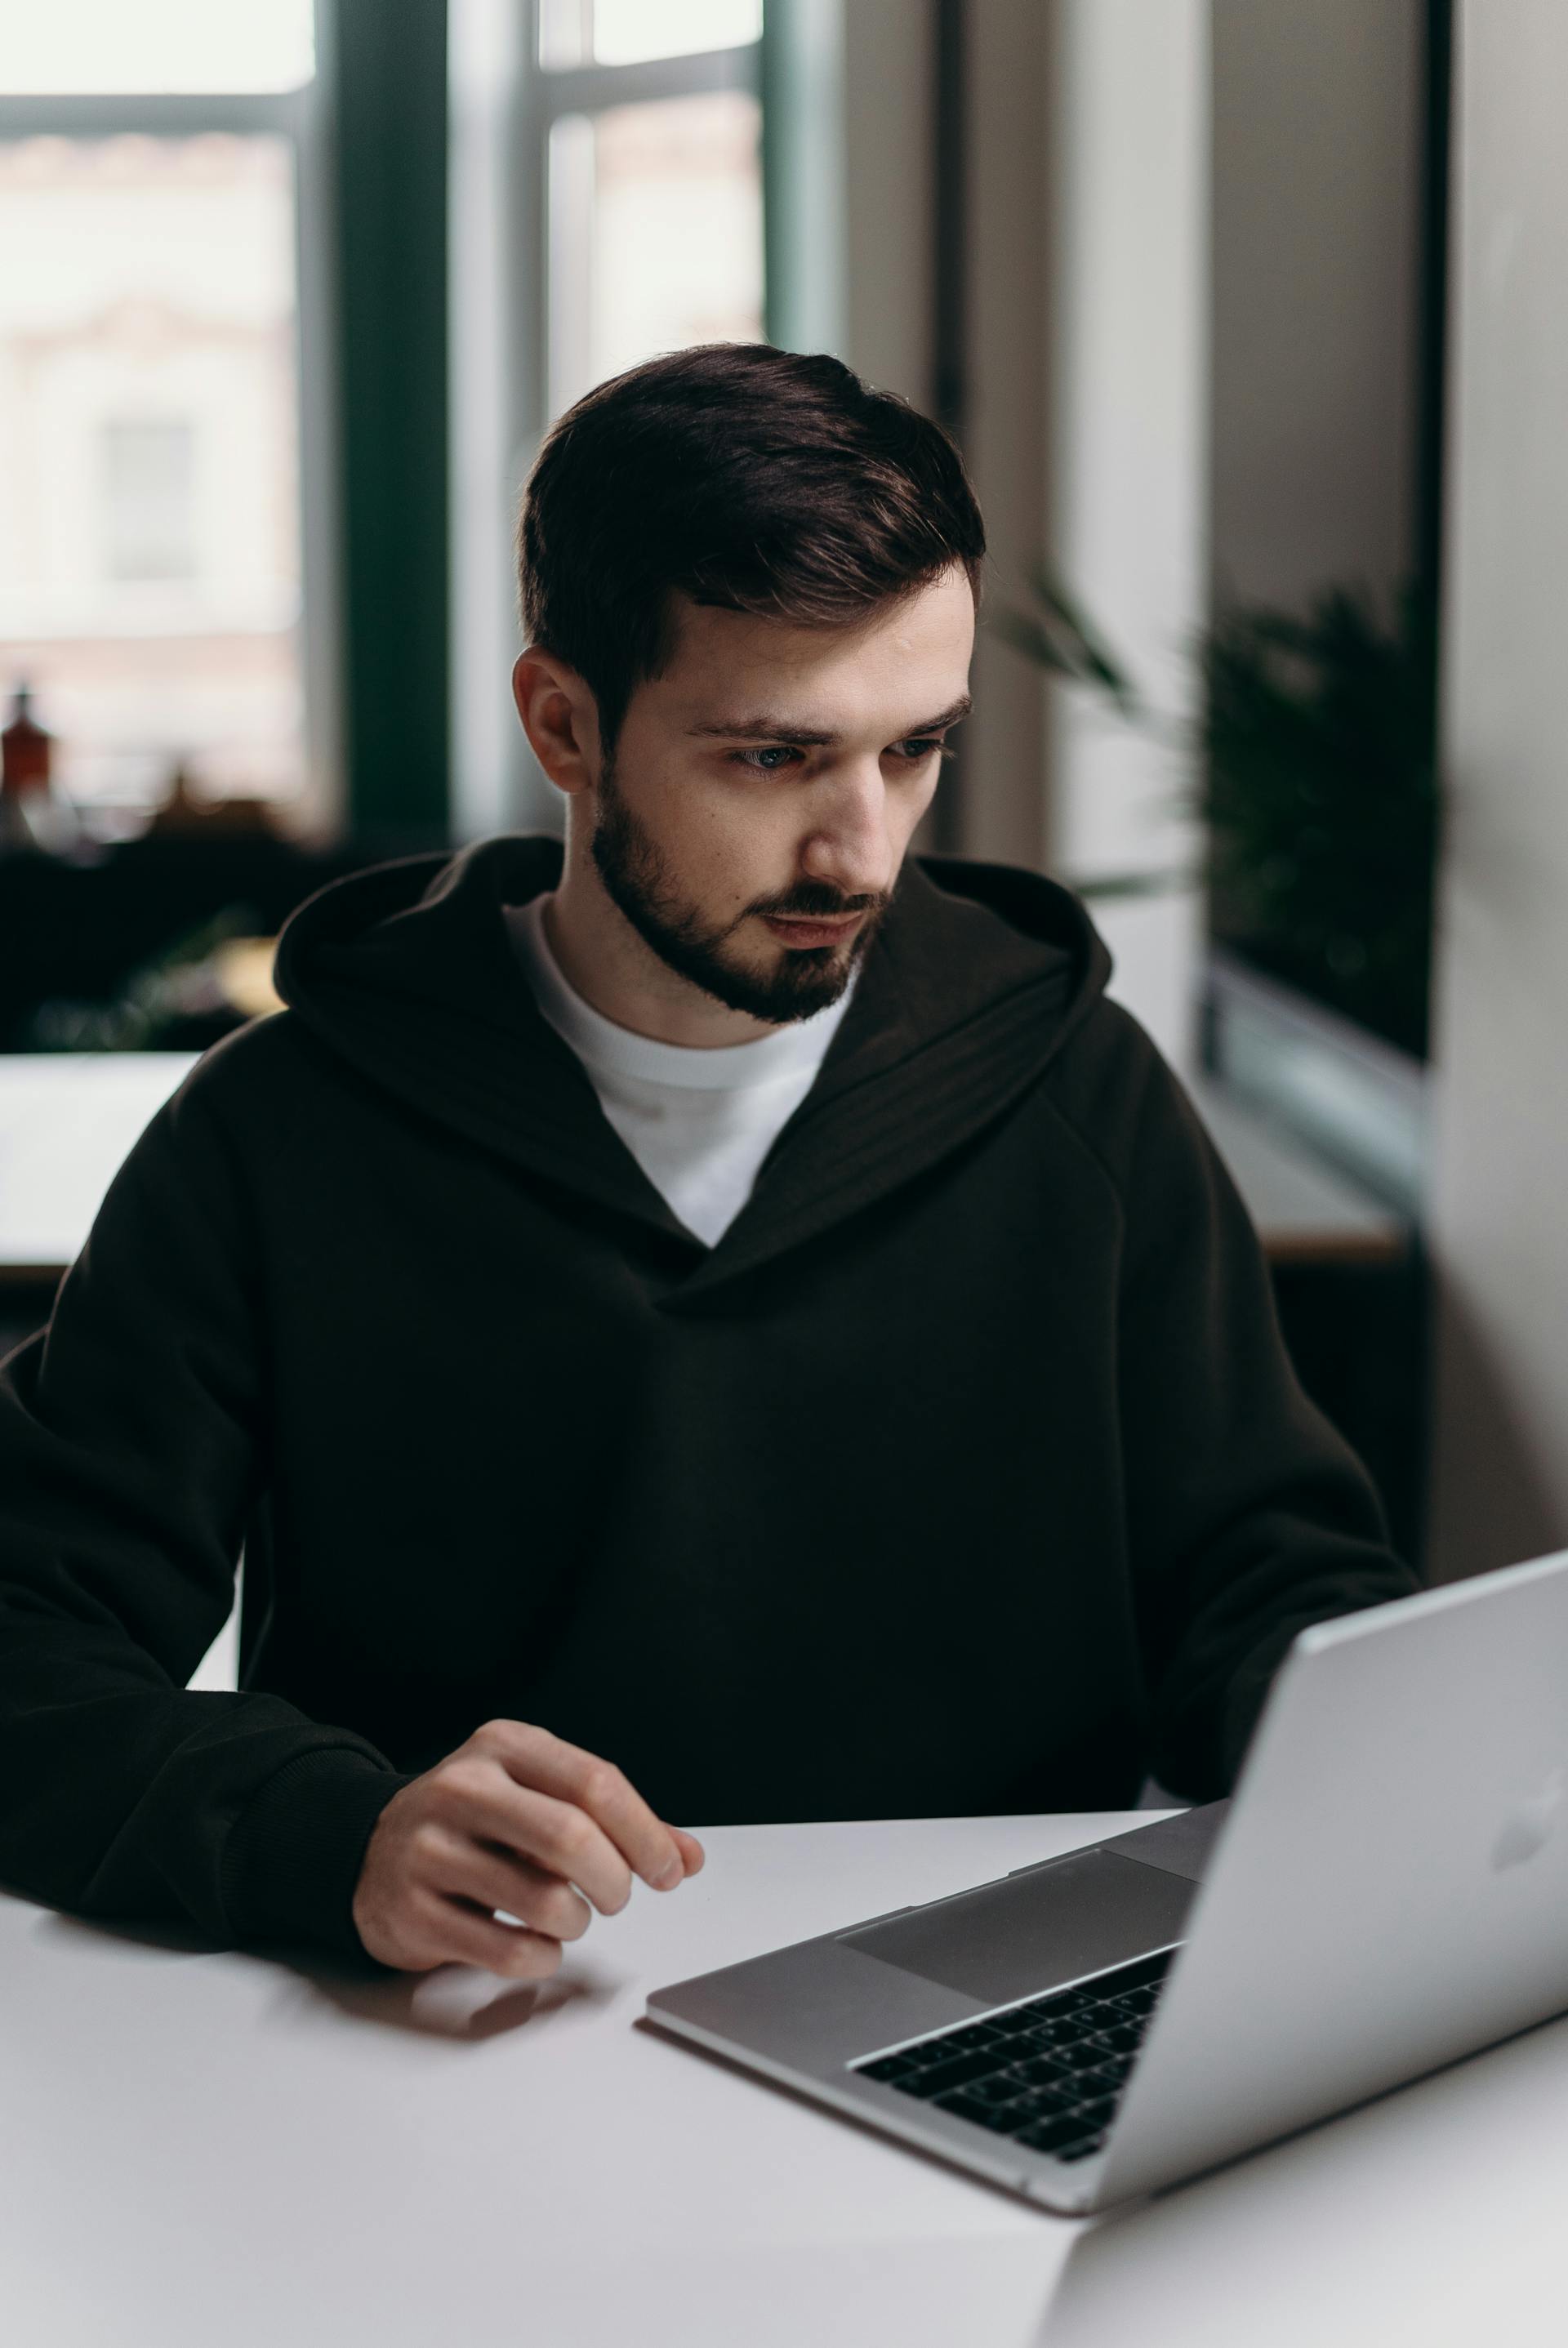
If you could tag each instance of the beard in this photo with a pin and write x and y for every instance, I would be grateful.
(804, 981)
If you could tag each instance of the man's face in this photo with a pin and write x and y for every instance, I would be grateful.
(754, 819)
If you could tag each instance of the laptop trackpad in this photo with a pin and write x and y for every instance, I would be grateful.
(1048, 1925)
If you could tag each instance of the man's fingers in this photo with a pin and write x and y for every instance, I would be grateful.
(549, 1765)
(464, 1937)
(494, 1878)
(691, 1850)
(491, 1807)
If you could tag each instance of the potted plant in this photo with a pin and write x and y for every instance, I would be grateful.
(1315, 774)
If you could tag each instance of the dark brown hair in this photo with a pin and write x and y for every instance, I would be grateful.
(768, 481)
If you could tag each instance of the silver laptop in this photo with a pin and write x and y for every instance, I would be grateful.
(1386, 1891)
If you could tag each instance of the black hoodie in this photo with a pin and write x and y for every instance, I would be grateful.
(966, 1474)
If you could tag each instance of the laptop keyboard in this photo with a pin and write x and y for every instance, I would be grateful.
(1048, 2073)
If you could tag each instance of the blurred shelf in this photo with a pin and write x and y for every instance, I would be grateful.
(1349, 1099)
(1306, 1210)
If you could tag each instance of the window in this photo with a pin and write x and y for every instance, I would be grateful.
(148, 485)
(630, 32)
(606, 206)
(152, 548)
(655, 205)
(656, 235)
(157, 46)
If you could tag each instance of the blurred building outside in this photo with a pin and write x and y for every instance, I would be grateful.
(150, 385)
(656, 235)
(149, 538)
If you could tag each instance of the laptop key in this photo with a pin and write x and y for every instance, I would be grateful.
(891, 2066)
(1042, 2104)
(1057, 2033)
(1001, 2087)
(936, 2078)
(1016, 2018)
(1062, 2029)
(1065, 2001)
(1138, 2001)
(1095, 2115)
(1121, 2038)
(929, 2051)
(964, 2041)
(998, 2089)
(1081, 2057)
(1039, 2070)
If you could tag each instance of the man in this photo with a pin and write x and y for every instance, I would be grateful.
(720, 1322)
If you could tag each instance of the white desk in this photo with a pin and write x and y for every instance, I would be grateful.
(202, 2149)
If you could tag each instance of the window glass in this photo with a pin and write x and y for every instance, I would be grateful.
(625, 31)
(565, 33)
(656, 235)
(148, 497)
(150, 560)
(628, 32)
(110, 47)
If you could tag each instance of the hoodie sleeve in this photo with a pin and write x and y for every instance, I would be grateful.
(1248, 1515)
(132, 1445)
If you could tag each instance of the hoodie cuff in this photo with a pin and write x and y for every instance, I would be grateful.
(294, 1853)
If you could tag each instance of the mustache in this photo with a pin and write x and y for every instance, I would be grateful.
(817, 899)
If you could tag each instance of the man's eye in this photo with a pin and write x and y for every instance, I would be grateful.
(777, 750)
(773, 757)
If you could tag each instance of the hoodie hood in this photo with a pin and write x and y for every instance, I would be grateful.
(978, 975)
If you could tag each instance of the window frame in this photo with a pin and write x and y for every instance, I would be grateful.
(506, 104)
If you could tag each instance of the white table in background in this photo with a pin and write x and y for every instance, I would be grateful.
(67, 1119)
(202, 2149)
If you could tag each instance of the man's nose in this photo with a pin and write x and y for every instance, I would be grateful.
(849, 846)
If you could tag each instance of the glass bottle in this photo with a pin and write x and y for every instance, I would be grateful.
(30, 814)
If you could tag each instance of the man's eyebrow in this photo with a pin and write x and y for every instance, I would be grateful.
(759, 725)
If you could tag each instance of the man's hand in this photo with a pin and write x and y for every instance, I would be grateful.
(517, 1820)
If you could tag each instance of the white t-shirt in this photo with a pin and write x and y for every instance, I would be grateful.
(698, 1122)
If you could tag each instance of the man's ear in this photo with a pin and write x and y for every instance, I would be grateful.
(560, 719)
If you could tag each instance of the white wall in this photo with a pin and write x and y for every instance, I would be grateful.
(1317, 130)
(1127, 151)
(1499, 1228)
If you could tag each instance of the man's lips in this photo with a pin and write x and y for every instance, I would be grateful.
(799, 930)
